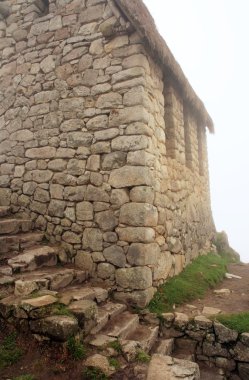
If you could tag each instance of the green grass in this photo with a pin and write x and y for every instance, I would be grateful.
(114, 363)
(76, 349)
(116, 346)
(142, 357)
(93, 373)
(24, 377)
(9, 352)
(203, 273)
(238, 322)
(60, 309)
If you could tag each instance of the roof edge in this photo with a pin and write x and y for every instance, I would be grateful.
(139, 15)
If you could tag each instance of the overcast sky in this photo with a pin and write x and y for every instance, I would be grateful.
(210, 40)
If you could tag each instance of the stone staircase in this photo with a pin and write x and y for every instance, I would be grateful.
(54, 300)
(43, 294)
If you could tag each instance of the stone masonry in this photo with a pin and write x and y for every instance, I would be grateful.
(98, 145)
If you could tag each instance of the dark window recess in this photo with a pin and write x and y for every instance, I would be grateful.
(200, 136)
(169, 122)
(188, 150)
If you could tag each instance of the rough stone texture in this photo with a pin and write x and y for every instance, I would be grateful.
(165, 367)
(96, 146)
(57, 327)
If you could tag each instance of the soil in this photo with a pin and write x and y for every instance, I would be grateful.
(235, 302)
(47, 361)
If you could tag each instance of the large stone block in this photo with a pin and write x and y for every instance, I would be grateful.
(134, 278)
(84, 211)
(136, 234)
(128, 115)
(139, 298)
(41, 153)
(128, 176)
(84, 261)
(143, 254)
(138, 214)
(92, 239)
(115, 255)
(142, 194)
(130, 143)
(106, 220)
(163, 266)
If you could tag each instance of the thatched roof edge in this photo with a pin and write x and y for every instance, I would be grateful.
(140, 17)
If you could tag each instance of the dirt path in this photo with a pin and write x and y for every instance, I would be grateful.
(234, 302)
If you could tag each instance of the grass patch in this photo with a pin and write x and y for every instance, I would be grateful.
(116, 346)
(9, 352)
(114, 363)
(203, 273)
(142, 357)
(93, 373)
(24, 377)
(76, 349)
(60, 309)
(238, 322)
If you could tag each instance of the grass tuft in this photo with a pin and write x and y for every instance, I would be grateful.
(203, 273)
(114, 363)
(142, 357)
(9, 352)
(76, 349)
(116, 346)
(60, 309)
(93, 373)
(238, 322)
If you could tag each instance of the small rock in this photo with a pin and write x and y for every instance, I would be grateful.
(209, 311)
(101, 362)
(222, 292)
(230, 276)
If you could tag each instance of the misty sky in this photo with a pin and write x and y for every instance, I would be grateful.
(210, 40)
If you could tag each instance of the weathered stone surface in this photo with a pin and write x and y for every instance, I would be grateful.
(84, 211)
(130, 176)
(165, 367)
(143, 254)
(101, 362)
(134, 278)
(209, 311)
(105, 270)
(241, 352)
(136, 234)
(139, 298)
(115, 255)
(106, 220)
(83, 260)
(138, 214)
(225, 334)
(163, 266)
(113, 160)
(93, 239)
(58, 327)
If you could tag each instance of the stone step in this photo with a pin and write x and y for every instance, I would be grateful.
(13, 226)
(163, 367)
(82, 293)
(4, 211)
(34, 258)
(19, 242)
(53, 278)
(106, 313)
(145, 336)
(121, 325)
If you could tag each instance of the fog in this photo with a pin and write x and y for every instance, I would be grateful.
(209, 39)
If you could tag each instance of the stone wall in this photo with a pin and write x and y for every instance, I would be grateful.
(83, 148)
(208, 341)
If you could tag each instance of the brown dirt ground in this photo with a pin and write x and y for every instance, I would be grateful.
(237, 301)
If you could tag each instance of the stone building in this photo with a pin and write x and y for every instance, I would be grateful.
(103, 140)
